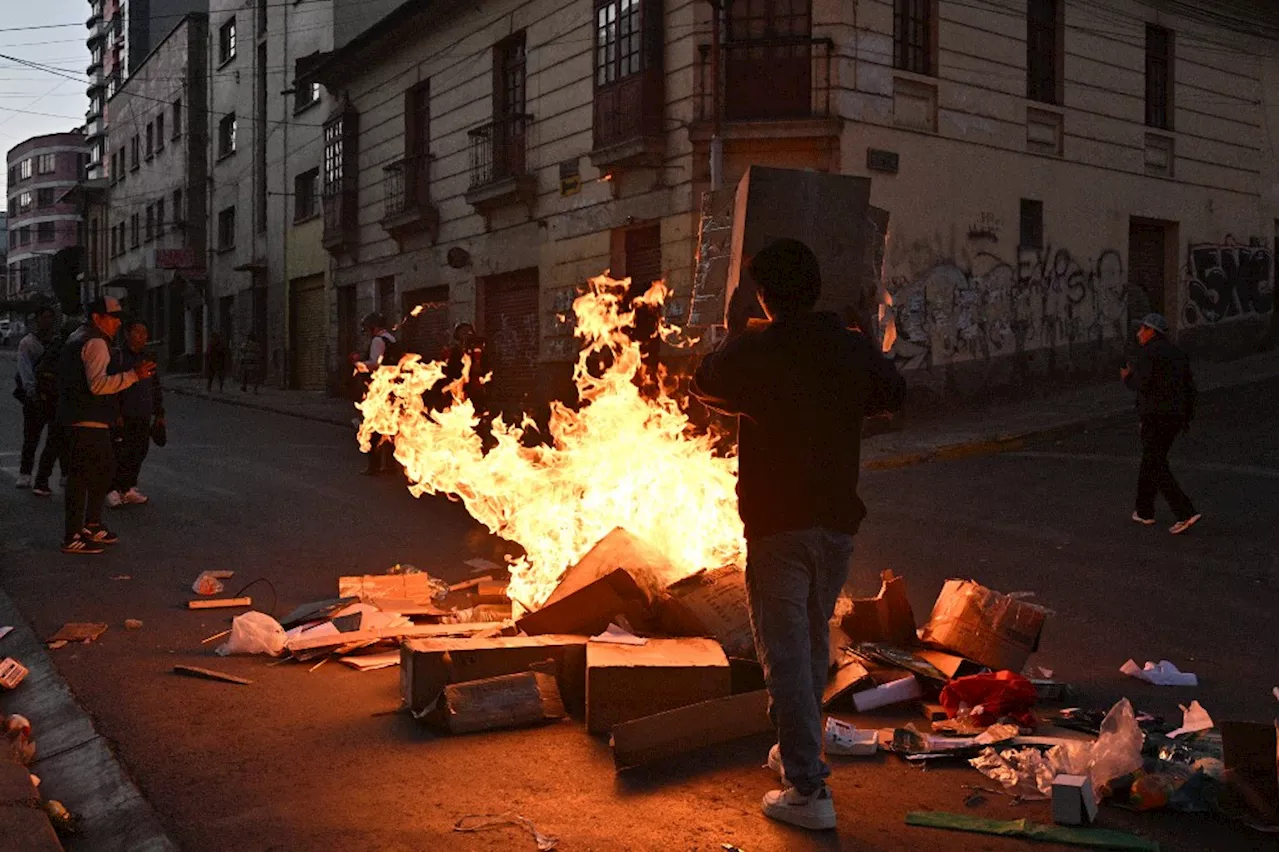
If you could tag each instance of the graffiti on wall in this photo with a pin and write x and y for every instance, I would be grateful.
(984, 306)
(1228, 280)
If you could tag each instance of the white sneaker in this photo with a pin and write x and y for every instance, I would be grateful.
(815, 811)
(134, 497)
(775, 761)
(24, 480)
(1182, 526)
(114, 499)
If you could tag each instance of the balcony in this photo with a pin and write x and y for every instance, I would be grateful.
(499, 168)
(95, 65)
(628, 121)
(407, 207)
(341, 230)
(771, 88)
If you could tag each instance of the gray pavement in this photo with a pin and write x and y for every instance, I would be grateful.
(305, 760)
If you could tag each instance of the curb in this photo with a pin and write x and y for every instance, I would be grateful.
(257, 406)
(76, 765)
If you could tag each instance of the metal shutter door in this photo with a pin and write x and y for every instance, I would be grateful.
(512, 329)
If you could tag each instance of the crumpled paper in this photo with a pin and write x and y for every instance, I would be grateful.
(1194, 718)
(483, 822)
(1163, 673)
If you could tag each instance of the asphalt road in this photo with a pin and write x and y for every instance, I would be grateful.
(313, 760)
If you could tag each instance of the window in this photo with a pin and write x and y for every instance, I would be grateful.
(510, 90)
(913, 35)
(306, 195)
(1031, 224)
(179, 212)
(134, 149)
(177, 118)
(227, 135)
(333, 145)
(1044, 51)
(305, 96)
(46, 232)
(618, 43)
(151, 223)
(159, 132)
(151, 141)
(160, 217)
(227, 229)
(24, 235)
(111, 242)
(24, 202)
(134, 231)
(24, 169)
(13, 175)
(262, 17)
(47, 164)
(44, 197)
(122, 162)
(227, 42)
(1159, 77)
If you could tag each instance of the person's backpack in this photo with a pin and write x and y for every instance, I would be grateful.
(46, 368)
(394, 352)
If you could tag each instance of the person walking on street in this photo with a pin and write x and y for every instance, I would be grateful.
(215, 359)
(86, 408)
(383, 348)
(38, 410)
(141, 407)
(1166, 405)
(250, 363)
(800, 387)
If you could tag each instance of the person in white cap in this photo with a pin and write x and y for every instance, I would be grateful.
(86, 409)
(1166, 404)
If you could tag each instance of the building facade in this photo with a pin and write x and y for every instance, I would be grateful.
(40, 223)
(153, 222)
(1051, 172)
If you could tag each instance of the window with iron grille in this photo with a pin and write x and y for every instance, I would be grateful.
(619, 47)
(227, 135)
(1159, 77)
(306, 195)
(227, 41)
(1044, 19)
(913, 22)
(333, 145)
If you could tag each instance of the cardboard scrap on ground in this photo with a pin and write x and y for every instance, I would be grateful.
(996, 630)
(626, 682)
(685, 729)
(428, 665)
(321, 638)
(885, 618)
(370, 588)
(506, 701)
(12, 673)
(78, 632)
(369, 662)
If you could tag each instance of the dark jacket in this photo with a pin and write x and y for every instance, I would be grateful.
(1162, 377)
(77, 402)
(801, 388)
(142, 400)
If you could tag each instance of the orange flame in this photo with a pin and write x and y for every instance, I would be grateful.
(619, 460)
(888, 323)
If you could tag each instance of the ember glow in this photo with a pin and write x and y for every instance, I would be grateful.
(619, 460)
(888, 323)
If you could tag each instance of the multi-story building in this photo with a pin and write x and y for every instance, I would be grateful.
(4, 254)
(121, 36)
(1050, 169)
(154, 222)
(41, 223)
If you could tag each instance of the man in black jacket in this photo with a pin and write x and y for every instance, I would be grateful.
(801, 387)
(1166, 404)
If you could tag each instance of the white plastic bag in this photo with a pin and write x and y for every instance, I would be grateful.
(254, 633)
(1118, 750)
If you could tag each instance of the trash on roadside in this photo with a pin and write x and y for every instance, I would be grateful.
(12, 673)
(1089, 720)
(987, 698)
(132, 624)
(5, 631)
(999, 631)
(1028, 772)
(62, 820)
(1074, 802)
(78, 632)
(254, 633)
(885, 618)
(484, 822)
(627, 682)
(847, 676)
(615, 634)
(371, 662)
(888, 655)
(1249, 756)
(951, 665)
(61, 643)
(219, 603)
(886, 694)
(1194, 718)
(689, 728)
(1118, 749)
(209, 583)
(841, 738)
(1100, 838)
(1163, 673)
(710, 603)
(210, 674)
(506, 701)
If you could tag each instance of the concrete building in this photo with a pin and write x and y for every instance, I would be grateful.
(1050, 171)
(4, 254)
(41, 170)
(153, 222)
(121, 36)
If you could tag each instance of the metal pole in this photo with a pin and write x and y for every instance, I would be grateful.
(717, 144)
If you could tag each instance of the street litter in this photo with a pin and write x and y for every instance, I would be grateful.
(12, 673)
(254, 633)
(841, 738)
(132, 624)
(1074, 802)
(1194, 718)
(885, 694)
(370, 662)
(219, 603)
(999, 631)
(483, 822)
(78, 632)
(1163, 673)
(1097, 838)
(210, 582)
(987, 698)
(615, 634)
(5, 631)
(210, 674)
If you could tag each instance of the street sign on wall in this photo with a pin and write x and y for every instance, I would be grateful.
(183, 258)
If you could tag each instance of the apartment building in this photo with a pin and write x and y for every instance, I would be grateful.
(40, 222)
(1051, 169)
(152, 222)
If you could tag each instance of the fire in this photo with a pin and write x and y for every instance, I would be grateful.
(888, 323)
(619, 460)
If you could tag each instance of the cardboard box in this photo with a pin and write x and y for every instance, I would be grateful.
(985, 626)
(843, 681)
(508, 701)
(428, 665)
(712, 604)
(1074, 802)
(620, 576)
(951, 665)
(689, 728)
(626, 682)
(885, 618)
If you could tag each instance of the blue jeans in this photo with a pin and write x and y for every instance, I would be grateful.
(793, 580)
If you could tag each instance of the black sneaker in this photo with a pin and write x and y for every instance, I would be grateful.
(79, 544)
(99, 534)
(42, 489)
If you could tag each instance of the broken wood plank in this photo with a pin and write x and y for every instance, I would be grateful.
(689, 728)
(219, 603)
(210, 674)
(506, 701)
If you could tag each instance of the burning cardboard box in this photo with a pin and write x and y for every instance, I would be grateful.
(710, 603)
(626, 682)
(990, 628)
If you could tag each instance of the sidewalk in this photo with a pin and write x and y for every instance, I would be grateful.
(1003, 427)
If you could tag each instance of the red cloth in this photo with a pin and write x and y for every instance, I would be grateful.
(1000, 695)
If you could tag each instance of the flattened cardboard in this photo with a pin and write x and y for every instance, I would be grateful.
(951, 665)
(401, 587)
(685, 729)
(428, 665)
(78, 632)
(885, 618)
(710, 603)
(626, 682)
(843, 681)
(985, 626)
